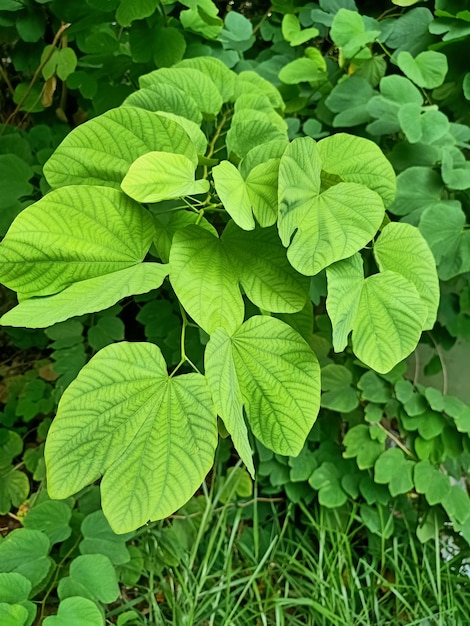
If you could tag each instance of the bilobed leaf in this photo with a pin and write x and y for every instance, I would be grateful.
(204, 280)
(250, 129)
(157, 176)
(261, 154)
(328, 226)
(308, 70)
(345, 282)
(393, 469)
(233, 193)
(14, 488)
(262, 183)
(13, 614)
(73, 234)
(443, 235)
(86, 296)
(428, 69)
(223, 383)
(193, 130)
(348, 32)
(101, 151)
(165, 97)
(25, 552)
(389, 320)
(358, 160)
(92, 576)
(130, 10)
(278, 377)
(167, 224)
(217, 71)
(51, 518)
(193, 82)
(152, 437)
(402, 249)
(261, 265)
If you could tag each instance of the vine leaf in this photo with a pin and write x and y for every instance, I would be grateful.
(152, 437)
(86, 296)
(326, 227)
(345, 280)
(428, 69)
(157, 176)
(401, 248)
(74, 612)
(101, 151)
(278, 379)
(389, 320)
(73, 234)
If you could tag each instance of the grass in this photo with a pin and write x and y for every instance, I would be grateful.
(263, 563)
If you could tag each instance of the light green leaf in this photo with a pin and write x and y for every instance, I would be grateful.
(292, 32)
(311, 69)
(260, 262)
(358, 160)
(25, 552)
(13, 614)
(223, 383)
(76, 611)
(389, 321)
(167, 224)
(66, 62)
(250, 82)
(348, 32)
(217, 71)
(345, 281)
(73, 234)
(262, 187)
(165, 97)
(157, 176)
(195, 83)
(92, 576)
(101, 151)
(328, 226)
(402, 249)
(261, 154)
(428, 69)
(151, 437)
(204, 280)
(278, 377)
(250, 129)
(86, 296)
(233, 193)
(193, 130)
(14, 488)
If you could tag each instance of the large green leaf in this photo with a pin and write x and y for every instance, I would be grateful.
(250, 128)
(261, 265)
(151, 436)
(217, 71)
(101, 151)
(92, 576)
(204, 280)
(402, 249)
(86, 296)
(328, 226)
(165, 97)
(428, 69)
(250, 82)
(345, 281)
(73, 234)
(233, 193)
(278, 379)
(192, 81)
(25, 552)
(157, 176)
(389, 320)
(358, 160)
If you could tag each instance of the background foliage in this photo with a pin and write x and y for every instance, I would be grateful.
(388, 457)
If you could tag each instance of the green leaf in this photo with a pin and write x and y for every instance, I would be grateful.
(393, 469)
(193, 130)
(359, 445)
(311, 69)
(25, 552)
(278, 378)
(389, 320)
(204, 280)
(14, 176)
(15, 590)
(428, 69)
(76, 612)
(92, 576)
(374, 388)
(101, 151)
(13, 614)
(338, 395)
(266, 276)
(417, 188)
(86, 296)
(348, 32)
(152, 437)
(251, 128)
(325, 479)
(98, 537)
(130, 10)
(402, 249)
(169, 47)
(328, 226)
(193, 82)
(157, 176)
(262, 154)
(292, 32)
(345, 281)
(358, 160)
(426, 127)
(349, 100)
(217, 71)
(73, 234)
(14, 488)
(165, 97)
(457, 504)
(51, 518)
(66, 62)
(233, 193)
(250, 82)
